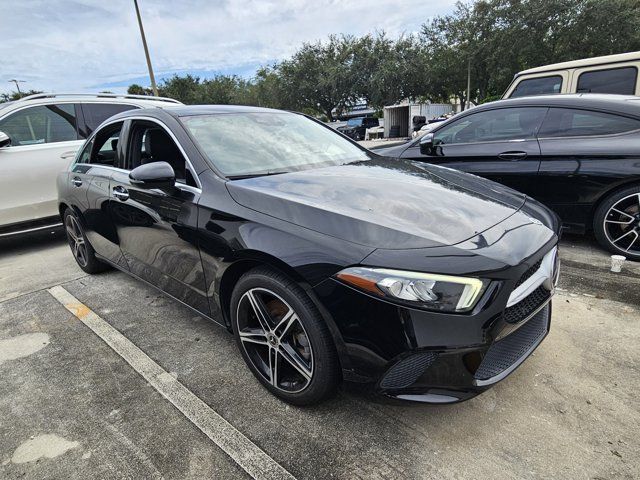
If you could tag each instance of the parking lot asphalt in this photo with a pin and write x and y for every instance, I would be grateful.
(73, 407)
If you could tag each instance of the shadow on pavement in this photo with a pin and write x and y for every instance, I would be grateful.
(29, 242)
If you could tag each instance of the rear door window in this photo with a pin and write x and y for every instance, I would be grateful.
(538, 86)
(567, 122)
(493, 125)
(41, 124)
(96, 113)
(103, 148)
(614, 80)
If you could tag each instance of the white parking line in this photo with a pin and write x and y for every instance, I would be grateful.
(242, 450)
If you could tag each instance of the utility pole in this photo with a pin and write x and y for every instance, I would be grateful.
(17, 82)
(146, 51)
(468, 84)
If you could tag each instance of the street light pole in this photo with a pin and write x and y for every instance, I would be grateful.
(468, 84)
(146, 51)
(17, 82)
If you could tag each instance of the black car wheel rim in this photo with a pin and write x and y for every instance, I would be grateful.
(76, 240)
(622, 224)
(275, 340)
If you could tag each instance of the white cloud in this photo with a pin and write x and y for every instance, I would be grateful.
(79, 45)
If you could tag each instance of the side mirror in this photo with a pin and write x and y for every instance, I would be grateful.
(5, 140)
(153, 175)
(426, 144)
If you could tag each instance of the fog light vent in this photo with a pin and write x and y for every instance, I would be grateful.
(514, 348)
(407, 371)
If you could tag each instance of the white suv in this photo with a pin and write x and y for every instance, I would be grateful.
(39, 137)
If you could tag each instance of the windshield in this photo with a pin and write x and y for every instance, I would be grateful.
(246, 144)
(354, 122)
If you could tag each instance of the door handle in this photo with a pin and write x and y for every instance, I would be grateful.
(76, 181)
(512, 155)
(69, 154)
(121, 193)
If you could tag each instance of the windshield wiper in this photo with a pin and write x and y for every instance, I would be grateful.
(254, 175)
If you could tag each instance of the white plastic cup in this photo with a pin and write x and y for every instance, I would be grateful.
(616, 262)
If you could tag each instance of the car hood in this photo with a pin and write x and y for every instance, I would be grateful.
(394, 150)
(382, 203)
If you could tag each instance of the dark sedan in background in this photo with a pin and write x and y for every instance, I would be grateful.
(578, 154)
(325, 260)
(357, 127)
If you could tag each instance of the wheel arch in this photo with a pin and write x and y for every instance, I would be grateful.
(629, 183)
(253, 259)
(62, 207)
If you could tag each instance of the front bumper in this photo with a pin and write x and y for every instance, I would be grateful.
(434, 357)
(449, 376)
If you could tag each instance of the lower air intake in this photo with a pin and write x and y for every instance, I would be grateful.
(512, 349)
(407, 371)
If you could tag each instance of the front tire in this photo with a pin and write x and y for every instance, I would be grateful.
(283, 338)
(616, 223)
(81, 249)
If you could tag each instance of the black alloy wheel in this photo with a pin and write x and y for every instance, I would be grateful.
(283, 339)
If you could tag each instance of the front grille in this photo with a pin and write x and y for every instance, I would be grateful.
(407, 371)
(527, 275)
(521, 310)
(511, 349)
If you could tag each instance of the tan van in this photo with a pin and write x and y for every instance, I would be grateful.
(608, 74)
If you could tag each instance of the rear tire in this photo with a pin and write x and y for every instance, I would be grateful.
(616, 223)
(81, 249)
(288, 348)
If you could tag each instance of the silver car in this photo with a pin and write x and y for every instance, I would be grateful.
(39, 137)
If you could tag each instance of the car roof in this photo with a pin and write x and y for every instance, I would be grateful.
(584, 62)
(627, 104)
(194, 110)
(59, 98)
(188, 110)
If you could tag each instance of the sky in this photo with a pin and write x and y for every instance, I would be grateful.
(90, 46)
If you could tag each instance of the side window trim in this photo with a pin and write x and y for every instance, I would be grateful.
(80, 124)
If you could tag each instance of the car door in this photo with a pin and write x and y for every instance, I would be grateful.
(89, 190)
(498, 144)
(584, 154)
(44, 141)
(157, 228)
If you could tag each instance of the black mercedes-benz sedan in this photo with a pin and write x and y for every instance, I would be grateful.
(578, 154)
(326, 261)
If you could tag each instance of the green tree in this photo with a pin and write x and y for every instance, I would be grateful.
(267, 89)
(10, 97)
(319, 77)
(185, 89)
(385, 69)
(502, 37)
(135, 89)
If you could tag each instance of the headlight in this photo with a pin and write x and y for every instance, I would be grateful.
(427, 290)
